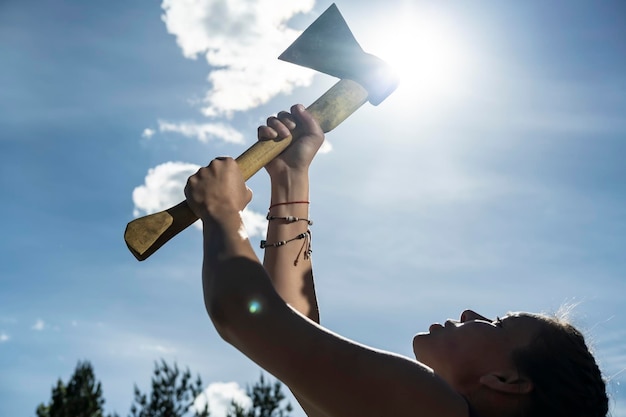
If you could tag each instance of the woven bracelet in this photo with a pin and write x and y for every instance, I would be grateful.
(264, 243)
(307, 244)
(289, 219)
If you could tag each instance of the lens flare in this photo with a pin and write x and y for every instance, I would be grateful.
(254, 307)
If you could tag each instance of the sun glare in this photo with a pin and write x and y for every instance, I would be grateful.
(427, 51)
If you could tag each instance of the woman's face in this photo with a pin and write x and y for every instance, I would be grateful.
(462, 351)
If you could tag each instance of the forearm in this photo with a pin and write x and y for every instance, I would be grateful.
(224, 240)
(291, 273)
(289, 266)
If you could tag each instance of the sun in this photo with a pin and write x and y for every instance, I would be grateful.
(429, 53)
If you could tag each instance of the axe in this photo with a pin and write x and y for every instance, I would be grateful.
(328, 46)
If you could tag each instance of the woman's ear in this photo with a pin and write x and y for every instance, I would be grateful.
(505, 383)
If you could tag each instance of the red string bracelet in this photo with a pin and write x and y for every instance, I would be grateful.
(289, 202)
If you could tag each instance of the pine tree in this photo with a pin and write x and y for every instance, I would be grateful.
(81, 397)
(172, 394)
(267, 401)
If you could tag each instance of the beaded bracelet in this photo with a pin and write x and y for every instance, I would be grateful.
(289, 219)
(307, 243)
(264, 243)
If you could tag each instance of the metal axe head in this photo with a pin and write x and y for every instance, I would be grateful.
(328, 46)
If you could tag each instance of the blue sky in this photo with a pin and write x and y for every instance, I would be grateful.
(492, 179)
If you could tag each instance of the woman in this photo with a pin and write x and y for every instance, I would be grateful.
(520, 365)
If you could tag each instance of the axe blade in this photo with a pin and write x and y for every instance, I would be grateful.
(329, 46)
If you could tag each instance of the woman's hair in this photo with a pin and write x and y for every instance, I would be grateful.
(566, 378)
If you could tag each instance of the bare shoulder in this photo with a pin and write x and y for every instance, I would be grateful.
(339, 377)
(359, 380)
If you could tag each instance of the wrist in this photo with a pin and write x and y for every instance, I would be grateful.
(286, 173)
(220, 215)
(290, 186)
(290, 203)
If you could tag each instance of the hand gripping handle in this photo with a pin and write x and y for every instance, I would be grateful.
(146, 234)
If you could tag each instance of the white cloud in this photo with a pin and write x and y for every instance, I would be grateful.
(240, 40)
(148, 133)
(4, 337)
(326, 147)
(157, 348)
(220, 395)
(131, 344)
(39, 325)
(256, 224)
(163, 188)
(203, 131)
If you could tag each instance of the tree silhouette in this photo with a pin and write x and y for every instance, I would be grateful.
(172, 394)
(267, 401)
(81, 397)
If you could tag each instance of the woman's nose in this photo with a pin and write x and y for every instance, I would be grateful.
(469, 315)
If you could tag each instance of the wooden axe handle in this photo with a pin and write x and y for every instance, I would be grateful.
(146, 234)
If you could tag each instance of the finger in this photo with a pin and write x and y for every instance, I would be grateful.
(216, 163)
(213, 162)
(287, 119)
(266, 132)
(279, 127)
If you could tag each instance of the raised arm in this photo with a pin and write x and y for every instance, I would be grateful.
(289, 266)
(340, 377)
